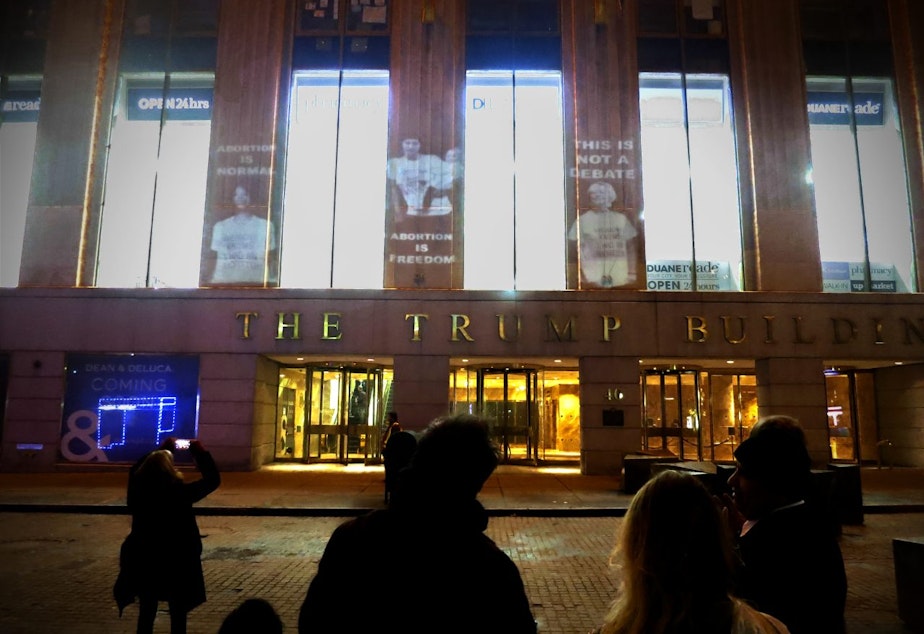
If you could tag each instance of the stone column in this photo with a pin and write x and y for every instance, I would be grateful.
(421, 389)
(611, 413)
(774, 153)
(907, 20)
(796, 387)
(60, 213)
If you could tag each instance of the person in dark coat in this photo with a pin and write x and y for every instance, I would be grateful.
(439, 572)
(792, 566)
(160, 560)
(397, 455)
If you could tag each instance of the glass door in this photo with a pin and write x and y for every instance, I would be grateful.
(731, 412)
(508, 399)
(672, 413)
(331, 414)
(542, 409)
(842, 416)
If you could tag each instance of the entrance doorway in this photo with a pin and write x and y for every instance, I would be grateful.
(672, 414)
(331, 414)
(851, 409)
(697, 415)
(533, 413)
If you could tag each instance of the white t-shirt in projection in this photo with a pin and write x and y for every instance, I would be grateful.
(240, 243)
(604, 239)
(414, 177)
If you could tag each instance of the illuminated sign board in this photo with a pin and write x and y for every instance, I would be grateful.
(833, 108)
(119, 407)
(20, 106)
(850, 277)
(187, 104)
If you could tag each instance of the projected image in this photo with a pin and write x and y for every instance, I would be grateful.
(119, 407)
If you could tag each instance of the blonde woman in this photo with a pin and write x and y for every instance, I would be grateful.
(676, 558)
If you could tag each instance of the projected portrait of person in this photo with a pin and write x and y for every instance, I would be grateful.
(414, 180)
(605, 239)
(241, 243)
(450, 177)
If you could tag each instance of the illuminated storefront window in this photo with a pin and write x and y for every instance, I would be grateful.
(692, 217)
(155, 183)
(119, 407)
(858, 167)
(334, 217)
(154, 197)
(20, 100)
(861, 192)
(514, 181)
(23, 28)
(515, 213)
(690, 183)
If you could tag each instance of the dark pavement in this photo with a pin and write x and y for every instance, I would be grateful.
(266, 530)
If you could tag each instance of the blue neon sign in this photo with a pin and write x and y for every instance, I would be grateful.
(119, 407)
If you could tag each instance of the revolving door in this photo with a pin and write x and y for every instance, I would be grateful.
(331, 414)
(508, 398)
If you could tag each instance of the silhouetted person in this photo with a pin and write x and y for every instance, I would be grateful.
(792, 563)
(160, 560)
(676, 558)
(441, 573)
(391, 425)
(396, 456)
(253, 616)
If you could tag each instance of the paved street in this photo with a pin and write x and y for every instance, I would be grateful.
(56, 570)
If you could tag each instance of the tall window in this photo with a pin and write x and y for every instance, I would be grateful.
(690, 183)
(514, 224)
(20, 99)
(335, 180)
(858, 166)
(22, 56)
(861, 192)
(689, 164)
(514, 181)
(154, 197)
(151, 231)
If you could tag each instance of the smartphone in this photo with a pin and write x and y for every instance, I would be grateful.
(181, 443)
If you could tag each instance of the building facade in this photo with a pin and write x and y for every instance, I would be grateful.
(610, 226)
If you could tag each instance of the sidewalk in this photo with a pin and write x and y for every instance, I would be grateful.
(354, 489)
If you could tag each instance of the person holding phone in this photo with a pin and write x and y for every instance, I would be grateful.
(160, 560)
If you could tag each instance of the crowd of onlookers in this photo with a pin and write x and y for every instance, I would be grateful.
(761, 559)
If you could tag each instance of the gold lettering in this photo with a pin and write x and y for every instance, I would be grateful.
(879, 339)
(502, 330)
(696, 329)
(559, 333)
(910, 329)
(726, 328)
(281, 326)
(245, 317)
(800, 338)
(331, 327)
(768, 321)
(416, 317)
(459, 324)
(610, 323)
(837, 323)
